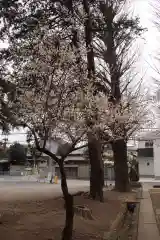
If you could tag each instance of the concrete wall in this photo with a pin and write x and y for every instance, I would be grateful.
(141, 144)
(156, 150)
(75, 158)
(71, 171)
(15, 170)
(83, 172)
(146, 170)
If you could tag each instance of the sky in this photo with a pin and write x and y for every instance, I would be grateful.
(147, 47)
(149, 44)
(15, 136)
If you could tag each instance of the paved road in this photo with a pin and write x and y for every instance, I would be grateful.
(19, 188)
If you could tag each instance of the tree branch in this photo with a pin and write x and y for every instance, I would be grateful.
(43, 149)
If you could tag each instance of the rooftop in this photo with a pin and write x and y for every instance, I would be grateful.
(150, 135)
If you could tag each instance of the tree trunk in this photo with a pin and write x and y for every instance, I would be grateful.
(97, 168)
(134, 172)
(94, 145)
(68, 198)
(120, 165)
(68, 229)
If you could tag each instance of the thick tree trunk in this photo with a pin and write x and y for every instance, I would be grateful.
(120, 165)
(68, 198)
(97, 168)
(134, 172)
(94, 145)
(68, 229)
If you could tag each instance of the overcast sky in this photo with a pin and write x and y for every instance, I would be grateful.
(148, 46)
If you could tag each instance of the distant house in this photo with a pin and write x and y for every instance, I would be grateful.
(77, 163)
(149, 155)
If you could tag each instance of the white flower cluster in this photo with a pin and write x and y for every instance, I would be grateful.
(56, 97)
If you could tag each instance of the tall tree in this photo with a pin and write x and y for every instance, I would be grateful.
(7, 88)
(7, 91)
(156, 21)
(48, 104)
(115, 32)
(94, 141)
(56, 15)
(112, 30)
(53, 102)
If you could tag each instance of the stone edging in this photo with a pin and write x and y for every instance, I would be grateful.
(136, 216)
(118, 223)
(154, 209)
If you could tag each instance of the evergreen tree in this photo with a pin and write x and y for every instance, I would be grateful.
(17, 153)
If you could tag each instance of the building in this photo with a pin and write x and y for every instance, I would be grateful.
(77, 163)
(149, 155)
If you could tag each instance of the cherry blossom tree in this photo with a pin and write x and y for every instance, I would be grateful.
(48, 82)
(80, 23)
(54, 99)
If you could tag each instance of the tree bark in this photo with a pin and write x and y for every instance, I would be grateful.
(68, 198)
(94, 145)
(120, 165)
(97, 168)
(89, 40)
(134, 172)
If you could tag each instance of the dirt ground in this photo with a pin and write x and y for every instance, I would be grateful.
(44, 219)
